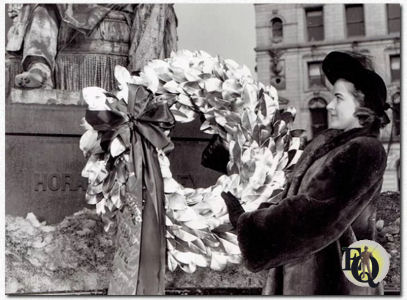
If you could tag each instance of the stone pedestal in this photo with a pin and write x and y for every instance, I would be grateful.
(43, 160)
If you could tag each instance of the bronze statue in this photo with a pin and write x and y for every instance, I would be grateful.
(70, 46)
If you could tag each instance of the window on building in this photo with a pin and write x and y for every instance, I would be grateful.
(396, 113)
(315, 23)
(315, 76)
(277, 28)
(319, 115)
(395, 67)
(393, 17)
(355, 20)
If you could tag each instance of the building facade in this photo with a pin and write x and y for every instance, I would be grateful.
(293, 39)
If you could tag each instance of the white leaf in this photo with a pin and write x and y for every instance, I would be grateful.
(161, 68)
(196, 224)
(205, 126)
(171, 86)
(183, 257)
(213, 85)
(194, 199)
(168, 221)
(123, 77)
(150, 77)
(88, 141)
(295, 159)
(176, 201)
(166, 172)
(170, 246)
(117, 147)
(170, 185)
(271, 108)
(200, 260)
(279, 178)
(85, 125)
(234, 259)
(95, 170)
(218, 261)
(183, 235)
(271, 90)
(191, 268)
(115, 195)
(183, 113)
(100, 207)
(192, 75)
(295, 143)
(231, 64)
(220, 119)
(185, 100)
(230, 86)
(172, 263)
(230, 248)
(95, 98)
(188, 214)
(123, 93)
(249, 96)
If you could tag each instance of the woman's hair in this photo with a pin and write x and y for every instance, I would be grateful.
(365, 115)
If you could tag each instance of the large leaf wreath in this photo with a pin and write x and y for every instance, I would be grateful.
(246, 116)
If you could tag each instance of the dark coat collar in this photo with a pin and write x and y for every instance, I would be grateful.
(321, 145)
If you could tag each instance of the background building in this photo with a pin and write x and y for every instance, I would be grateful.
(292, 41)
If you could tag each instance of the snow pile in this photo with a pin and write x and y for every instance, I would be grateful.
(73, 255)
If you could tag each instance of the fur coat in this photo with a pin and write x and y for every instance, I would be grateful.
(327, 204)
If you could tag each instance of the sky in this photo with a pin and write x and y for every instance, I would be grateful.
(227, 30)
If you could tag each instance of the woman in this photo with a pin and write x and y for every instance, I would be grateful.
(329, 200)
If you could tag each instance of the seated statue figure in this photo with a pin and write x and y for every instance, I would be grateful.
(70, 46)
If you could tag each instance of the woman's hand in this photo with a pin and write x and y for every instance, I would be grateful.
(234, 207)
(216, 155)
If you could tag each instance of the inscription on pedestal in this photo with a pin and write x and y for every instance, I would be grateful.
(57, 182)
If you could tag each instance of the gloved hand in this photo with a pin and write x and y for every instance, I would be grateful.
(215, 156)
(234, 207)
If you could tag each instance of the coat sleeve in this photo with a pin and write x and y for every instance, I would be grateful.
(305, 223)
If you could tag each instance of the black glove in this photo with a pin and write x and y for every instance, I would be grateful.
(234, 207)
(215, 156)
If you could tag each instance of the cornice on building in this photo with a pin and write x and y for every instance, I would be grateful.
(391, 37)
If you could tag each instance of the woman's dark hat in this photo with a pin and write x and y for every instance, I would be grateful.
(346, 66)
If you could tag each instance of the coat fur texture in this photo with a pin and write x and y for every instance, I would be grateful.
(300, 238)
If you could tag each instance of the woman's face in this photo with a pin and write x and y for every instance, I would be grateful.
(342, 107)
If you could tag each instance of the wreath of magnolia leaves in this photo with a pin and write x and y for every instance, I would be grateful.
(246, 116)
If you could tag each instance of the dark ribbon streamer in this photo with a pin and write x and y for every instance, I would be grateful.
(139, 265)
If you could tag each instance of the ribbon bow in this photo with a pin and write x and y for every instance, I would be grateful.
(142, 120)
(142, 115)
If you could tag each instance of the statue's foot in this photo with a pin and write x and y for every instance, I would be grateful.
(38, 76)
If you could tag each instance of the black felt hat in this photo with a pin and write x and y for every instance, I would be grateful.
(350, 67)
